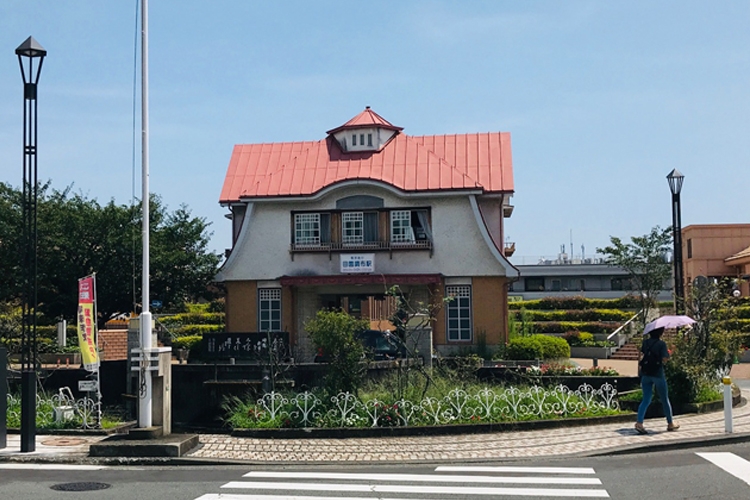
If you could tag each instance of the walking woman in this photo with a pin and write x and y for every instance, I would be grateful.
(654, 355)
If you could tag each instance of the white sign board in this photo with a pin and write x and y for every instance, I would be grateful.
(358, 263)
(87, 385)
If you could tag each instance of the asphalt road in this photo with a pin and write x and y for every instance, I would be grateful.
(671, 475)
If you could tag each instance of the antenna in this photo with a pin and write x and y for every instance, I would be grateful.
(572, 253)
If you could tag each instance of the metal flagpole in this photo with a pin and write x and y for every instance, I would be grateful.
(145, 394)
(99, 357)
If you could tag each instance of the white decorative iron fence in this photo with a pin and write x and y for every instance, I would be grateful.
(457, 407)
(60, 410)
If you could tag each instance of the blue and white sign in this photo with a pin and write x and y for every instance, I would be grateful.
(358, 263)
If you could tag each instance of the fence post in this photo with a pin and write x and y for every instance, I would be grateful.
(727, 404)
(3, 397)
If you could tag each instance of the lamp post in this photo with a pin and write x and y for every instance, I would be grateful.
(32, 54)
(675, 179)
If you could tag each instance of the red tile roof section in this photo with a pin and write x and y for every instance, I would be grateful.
(367, 118)
(425, 163)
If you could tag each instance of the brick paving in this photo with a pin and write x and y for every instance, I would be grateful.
(474, 447)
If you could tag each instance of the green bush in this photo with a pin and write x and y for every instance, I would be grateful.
(524, 348)
(581, 326)
(553, 347)
(578, 315)
(334, 333)
(186, 342)
(189, 330)
(565, 303)
(207, 318)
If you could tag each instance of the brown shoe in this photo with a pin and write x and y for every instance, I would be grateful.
(640, 429)
(673, 427)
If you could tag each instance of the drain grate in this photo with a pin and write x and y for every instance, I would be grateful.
(89, 486)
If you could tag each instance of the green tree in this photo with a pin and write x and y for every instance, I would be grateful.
(644, 259)
(77, 236)
(335, 334)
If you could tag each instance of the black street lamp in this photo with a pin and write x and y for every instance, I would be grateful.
(31, 53)
(675, 179)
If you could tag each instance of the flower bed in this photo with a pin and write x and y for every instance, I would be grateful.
(485, 405)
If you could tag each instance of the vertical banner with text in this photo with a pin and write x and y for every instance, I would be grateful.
(87, 323)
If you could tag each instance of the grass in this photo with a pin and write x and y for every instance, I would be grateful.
(390, 402)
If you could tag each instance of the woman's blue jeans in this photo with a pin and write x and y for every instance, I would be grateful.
(647, 384)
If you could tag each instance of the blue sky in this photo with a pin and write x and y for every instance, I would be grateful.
(602, 99)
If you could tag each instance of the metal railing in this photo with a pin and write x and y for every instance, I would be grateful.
(373, 245)
(623, 337)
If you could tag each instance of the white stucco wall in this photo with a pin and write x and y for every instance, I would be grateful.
(460, 248)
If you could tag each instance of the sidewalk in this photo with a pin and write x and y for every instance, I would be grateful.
(590, 440)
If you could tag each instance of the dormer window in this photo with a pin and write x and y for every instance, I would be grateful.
(373, 130)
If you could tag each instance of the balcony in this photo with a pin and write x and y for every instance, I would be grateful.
(510, 248)
(375, 246)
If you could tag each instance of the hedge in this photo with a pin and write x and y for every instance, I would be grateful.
(567, 303)
(581, 326)
(188, 330)
(192, 318)
(537, 347)
(575, 315)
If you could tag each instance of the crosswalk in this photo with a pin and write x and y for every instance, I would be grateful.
(731, 463)
(480, 481)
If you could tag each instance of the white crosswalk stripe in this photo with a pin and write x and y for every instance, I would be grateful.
(31, 466)
(736, 466)
(535, 482)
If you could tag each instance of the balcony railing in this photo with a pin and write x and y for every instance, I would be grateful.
(372, 246)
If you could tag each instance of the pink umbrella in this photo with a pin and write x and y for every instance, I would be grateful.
(668, 322)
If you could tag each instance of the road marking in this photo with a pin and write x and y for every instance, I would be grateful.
(511, 469)
(14, 466)
(433, 490)
(231, 496)
(736, 466)
(424, 478)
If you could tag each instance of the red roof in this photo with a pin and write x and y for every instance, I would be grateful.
(367, 118)
(424, 163)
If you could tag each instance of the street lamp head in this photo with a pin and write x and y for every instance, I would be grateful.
(675, 179)
(30, 50)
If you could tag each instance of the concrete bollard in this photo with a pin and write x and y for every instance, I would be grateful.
(727, 404)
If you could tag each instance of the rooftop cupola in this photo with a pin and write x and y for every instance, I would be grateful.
(368, 131)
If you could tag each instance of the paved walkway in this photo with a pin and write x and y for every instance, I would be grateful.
(586, 440)
(570, 441)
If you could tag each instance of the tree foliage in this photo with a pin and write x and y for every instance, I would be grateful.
(644, 259)
(77, 236)
(335, 334)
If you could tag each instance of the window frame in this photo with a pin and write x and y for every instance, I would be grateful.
(403, 234)
(267, 299)
(354, 235)
(461, 302)
(308, 240)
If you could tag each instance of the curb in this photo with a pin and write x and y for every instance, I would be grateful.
(670, 446)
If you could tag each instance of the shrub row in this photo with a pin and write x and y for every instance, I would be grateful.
(737, 325)
(537, 347)
(575, 315)
(189, 330)
(581, 326)
(191, 318)
(566, 303)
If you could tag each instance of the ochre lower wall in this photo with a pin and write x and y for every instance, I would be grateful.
(242, 306)
(490, 305)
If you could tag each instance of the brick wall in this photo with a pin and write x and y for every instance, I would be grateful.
(113, 344)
